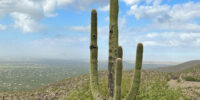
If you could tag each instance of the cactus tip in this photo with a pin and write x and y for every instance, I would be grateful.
(140, 44)
(94, 11)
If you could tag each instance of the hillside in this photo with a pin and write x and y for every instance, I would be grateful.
(180, 67)
(32, 74)
(155, 86)
(76, 88)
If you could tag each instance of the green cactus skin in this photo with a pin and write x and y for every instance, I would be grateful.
(120, 52)
(137, 74)
(118, 79)
(113, 44)
(93, 58)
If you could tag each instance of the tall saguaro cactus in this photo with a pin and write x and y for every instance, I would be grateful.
(113, 44)
(115, 65)
(93, 58)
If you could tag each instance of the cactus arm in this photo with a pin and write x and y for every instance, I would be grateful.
(137, 74)
(93, 58)
(118, 74)
(113, 44)
(118, 79)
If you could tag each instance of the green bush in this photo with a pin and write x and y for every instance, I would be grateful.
(158, 89)
(190, 78)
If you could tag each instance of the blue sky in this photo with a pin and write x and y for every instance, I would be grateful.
(60, 29)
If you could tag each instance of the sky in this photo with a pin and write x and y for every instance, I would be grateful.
(60, 29)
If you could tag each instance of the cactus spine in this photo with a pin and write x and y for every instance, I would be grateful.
(113, 44)
(115, 60)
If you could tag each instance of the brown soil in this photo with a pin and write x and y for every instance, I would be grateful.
(191, 89)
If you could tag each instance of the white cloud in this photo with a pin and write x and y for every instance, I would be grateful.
(2, 27)
(186, 36)
(197, 42)
(130, 2)
(21, 6)
(27, 14)
(185, 12)
(185, 27)
(155, 2)
(79, 28)
(170, 39)
(152, 35)
(174, 43)
(62, 3)
(105, 8)
(25, 22)
(151, 43)
(179, 17)
(85, 4)
(148, 11)
(49, 6)
(35, 8)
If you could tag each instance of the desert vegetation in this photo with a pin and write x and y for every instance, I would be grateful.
(25, 76)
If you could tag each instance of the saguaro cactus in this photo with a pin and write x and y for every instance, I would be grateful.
(93, 58)
(113, 44)
(115, 60)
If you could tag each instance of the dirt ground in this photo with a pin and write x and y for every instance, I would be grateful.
(191, 89)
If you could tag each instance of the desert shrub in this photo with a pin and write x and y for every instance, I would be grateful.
(83, 93)
(158, 89)
(151, 89)
(190, 78)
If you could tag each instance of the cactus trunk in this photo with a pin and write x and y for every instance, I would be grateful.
(113, 44)
(137, 74)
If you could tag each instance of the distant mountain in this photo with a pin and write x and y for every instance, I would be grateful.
(103, 65)
(129, 66)
(180, 67)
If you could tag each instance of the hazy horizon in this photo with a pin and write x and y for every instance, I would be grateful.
(87, 61)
